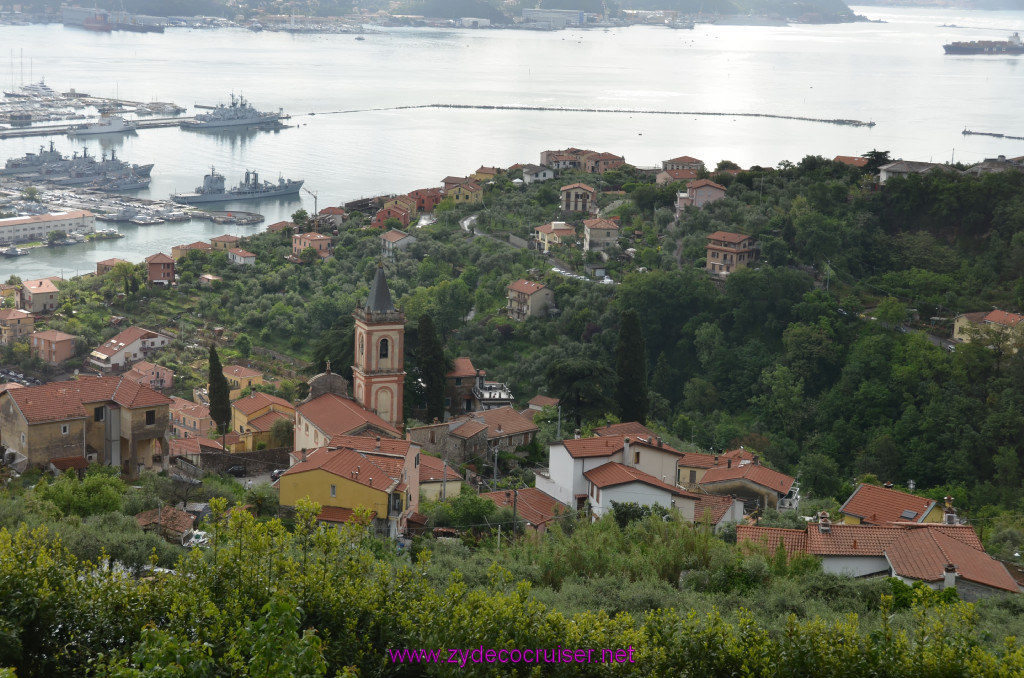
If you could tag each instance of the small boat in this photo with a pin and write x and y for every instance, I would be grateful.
(13, 251)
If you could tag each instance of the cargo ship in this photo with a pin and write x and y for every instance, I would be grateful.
(250, 188)
(1012, 46)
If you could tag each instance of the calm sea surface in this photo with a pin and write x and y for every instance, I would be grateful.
(892, 73)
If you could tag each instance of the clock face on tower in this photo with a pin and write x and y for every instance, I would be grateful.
(360, 345)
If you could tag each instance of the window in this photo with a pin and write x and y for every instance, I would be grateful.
(97, 414)
(383, 348)
(334, 490)
(693, 476)
(458, 381)
(150, 417)
(636, 457)
(64, 429)
(432, 436)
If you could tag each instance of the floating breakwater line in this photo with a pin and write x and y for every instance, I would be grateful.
(565, 109)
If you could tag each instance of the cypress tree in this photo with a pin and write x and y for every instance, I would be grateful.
(220, 404)
(432, 367)
(631, 369)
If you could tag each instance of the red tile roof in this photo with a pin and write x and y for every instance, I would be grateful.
(189, 446)
(699, 460)
(198, 245)
(53, 335)
(543, 401)
(1004, 318)
(534, 506)
(12, 313)
(580, 448)
(61, 400)
(469, 429)
(432, 470)
(40, 286)
(344, 463)
(225, 238)
(265, 422)
(683, 159)
(577, 185)
(729, 237)
(111, 262)
(335, 415)
(374, 444)
(64, 463)
(854, 160)
(626, 428)
(879, 505)
(167, 517)
(614, 473)
(284, 225)
(159, 258)
(188, 407)
(257, 400)
(526, 286)
(704, 182)
(239, 252)
(601, 223)
(119, 341)
(394, 235)
(462, 367)
(240, 372)
(681, 174)
(9, 386)
(754, 473)
(851, 540)
(923, 554)
(560, 228)
(795, 541)
(713, 506)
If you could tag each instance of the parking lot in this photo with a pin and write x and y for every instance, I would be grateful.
(15, 377)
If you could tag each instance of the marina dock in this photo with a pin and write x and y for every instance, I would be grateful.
(64, 128)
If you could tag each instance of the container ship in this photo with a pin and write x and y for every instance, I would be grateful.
(1011, 46)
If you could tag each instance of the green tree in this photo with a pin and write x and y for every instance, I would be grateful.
(220, 403)
(282, 433)
(308, 255)
(432, 366)
(300, 218)
(631, 369)
(243, 344)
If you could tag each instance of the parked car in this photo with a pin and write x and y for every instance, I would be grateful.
(277, 473)
(237, 471)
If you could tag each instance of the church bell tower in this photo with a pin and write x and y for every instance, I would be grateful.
(378, 376)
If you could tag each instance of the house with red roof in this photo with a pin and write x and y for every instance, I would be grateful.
(553, 233)
(189, 419)
(693, 465)
(459, 383)
(280, 226)
(578, 198)
(851, 160)
(374, 474)
(999, 322)
(683, 162)
(717, 510)
(330, 414)
(599, 162)
(253, 416)
(468, 192)
(438, 479)
(159, 269)
(699, 193)
(878, 505)
(38, 296)
(236, 255)
(539, 402)
(427, 199)
(613, 482)
(568, 158)
(224, 242)
(108, 265)
(120, 351)
(673, 175)
(157, 377)
(941, 556)
(179, 251)
(170, 523)
(391, 212)
(14, 324)
(600, 234)
(394, 240)
(535, 508)
(479, 433)
(317, 241)
(107, 420)
(727, 252)
(333, 216)
(528, 299)
(569, 461)
(754, 484)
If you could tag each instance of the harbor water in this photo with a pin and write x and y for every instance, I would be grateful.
(350, 136)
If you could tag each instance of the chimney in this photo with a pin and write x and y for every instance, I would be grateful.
(824, 523)
(728, 463)
(949, 513)
(625, 452)
(887, 485)
(479, 380)
(757, 460)
(303, 454)
(661, 443)
(949, 576)
(576, 434)
(716, 460)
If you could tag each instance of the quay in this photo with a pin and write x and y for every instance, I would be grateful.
(63, 129)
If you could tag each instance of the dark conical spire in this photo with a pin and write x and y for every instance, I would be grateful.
(379, 299)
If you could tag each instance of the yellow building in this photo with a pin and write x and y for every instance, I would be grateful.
(239, 378)
(988, 323)
(468, 193)
(379, 475)
(108, 420)
(253, 416)
(15, 323)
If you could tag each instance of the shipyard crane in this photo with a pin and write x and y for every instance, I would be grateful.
(316, 211)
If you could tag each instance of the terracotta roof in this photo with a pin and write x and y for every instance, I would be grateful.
(1004, 318)
(683, 159)
(40, 286)
(337, 514)
(470, 186)
(64, 463)
(122, 339)
(344, 463)
(879, 505)
(332, 211)
(311, 236)
(526, 286)
(534, 506)
(601, 223)
(614, 473)
(371, 444)
(265, 422)
(283, 225)
(111, 262)
(132, 394)
(167, 517)
(9, 386)
(432, 470)
(704, 182)
(53, 335)
(240, 372)
(225, 238)
(455, 180)
(854, 160)
(580, 448)
(543, 401)
(559, 227)
(923, 554)
(188, 407)
(391, 464)
(62, 400)
(795, 541)
(12, 313)
(159, 258)
(335, 415)
(394, 236)
(755, 473)
(239, 252)
(462, 367)
(729, 237)
(504, 421)
(198, 245)
(851, 540)
(578, 185)
(180, 446)
(699, 460)
(469, 429)
(714, 506)
(257, 400)
(681, 174)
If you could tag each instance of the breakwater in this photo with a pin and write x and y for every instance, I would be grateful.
(997, 135)
(632, 111)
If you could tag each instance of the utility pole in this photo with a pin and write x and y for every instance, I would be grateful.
(558, 435)
(828, 274)
(495, 482)
(444, 477)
